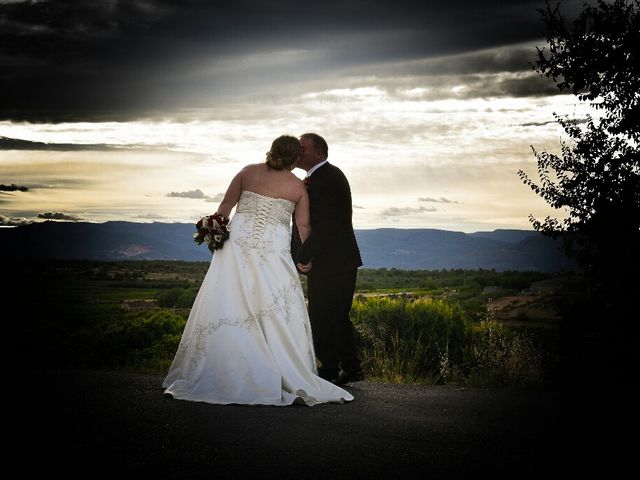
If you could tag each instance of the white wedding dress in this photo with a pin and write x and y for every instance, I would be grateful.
(248, 339)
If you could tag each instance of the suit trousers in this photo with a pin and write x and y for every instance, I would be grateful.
(330, 297)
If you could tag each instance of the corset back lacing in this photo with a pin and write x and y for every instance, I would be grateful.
(267, 210)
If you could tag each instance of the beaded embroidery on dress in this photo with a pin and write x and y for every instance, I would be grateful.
(248, 339)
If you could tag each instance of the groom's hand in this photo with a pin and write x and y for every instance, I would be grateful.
(304, 268)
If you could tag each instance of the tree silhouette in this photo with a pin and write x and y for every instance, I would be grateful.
(596, 178)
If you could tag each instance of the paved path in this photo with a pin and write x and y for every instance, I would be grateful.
(83, 424)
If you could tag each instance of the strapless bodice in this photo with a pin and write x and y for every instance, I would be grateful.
(265, 211)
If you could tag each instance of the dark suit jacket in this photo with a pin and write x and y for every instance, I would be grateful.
(332, 244)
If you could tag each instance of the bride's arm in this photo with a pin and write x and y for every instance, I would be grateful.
(303, 217)
(232, 195)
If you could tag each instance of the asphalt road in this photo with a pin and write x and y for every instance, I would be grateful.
(97, 424)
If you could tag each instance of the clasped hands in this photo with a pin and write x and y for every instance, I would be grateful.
(304, 267)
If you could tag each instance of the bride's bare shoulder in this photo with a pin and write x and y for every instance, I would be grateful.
(253, 166)
(293, 179)
(297, 186)
(251, 169)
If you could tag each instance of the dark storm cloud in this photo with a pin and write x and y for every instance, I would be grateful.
(70, 60)
(7, 143)
(574, 121)
(496, 72)
(19, 144)
(13, 221)
(13, 188)
(197, 193)
(58, 216)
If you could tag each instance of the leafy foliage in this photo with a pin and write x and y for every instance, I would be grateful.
(504, 357)
(407, 340)
(597, 59)
(138, 339)
(84, 317)
(596, 179)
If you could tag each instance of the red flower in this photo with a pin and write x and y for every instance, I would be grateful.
(212, 230)
(307, 181)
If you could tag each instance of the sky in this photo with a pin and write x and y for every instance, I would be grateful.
(144, 110)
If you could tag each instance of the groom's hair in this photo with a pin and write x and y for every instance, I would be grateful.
(319, 143)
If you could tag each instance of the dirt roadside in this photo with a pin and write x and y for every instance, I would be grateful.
(97, 424)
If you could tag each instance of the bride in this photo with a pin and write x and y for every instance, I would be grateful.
(248, 339)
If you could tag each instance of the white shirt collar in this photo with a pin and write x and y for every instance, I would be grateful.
(314, 168)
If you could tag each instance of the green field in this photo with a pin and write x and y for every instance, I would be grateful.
(448, 326)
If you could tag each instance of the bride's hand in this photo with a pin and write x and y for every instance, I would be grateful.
(304, 268)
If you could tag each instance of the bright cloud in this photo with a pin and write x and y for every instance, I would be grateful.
(449, 131)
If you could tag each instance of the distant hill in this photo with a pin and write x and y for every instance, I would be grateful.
(411, 249)
(504, 235)
(430, 249)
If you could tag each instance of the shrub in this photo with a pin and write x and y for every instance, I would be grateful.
(402, 340)
(133, 340)
(169, 298)
(504, 357)
(186, 298)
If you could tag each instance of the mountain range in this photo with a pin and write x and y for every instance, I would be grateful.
(411, 249)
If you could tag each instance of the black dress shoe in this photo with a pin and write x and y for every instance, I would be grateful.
(329, 375)
(348, 377)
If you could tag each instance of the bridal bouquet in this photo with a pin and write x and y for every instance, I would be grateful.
(212, 230)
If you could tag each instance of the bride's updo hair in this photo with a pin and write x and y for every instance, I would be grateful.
(284, 152)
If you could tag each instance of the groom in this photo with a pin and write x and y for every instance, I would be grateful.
(330, 257)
